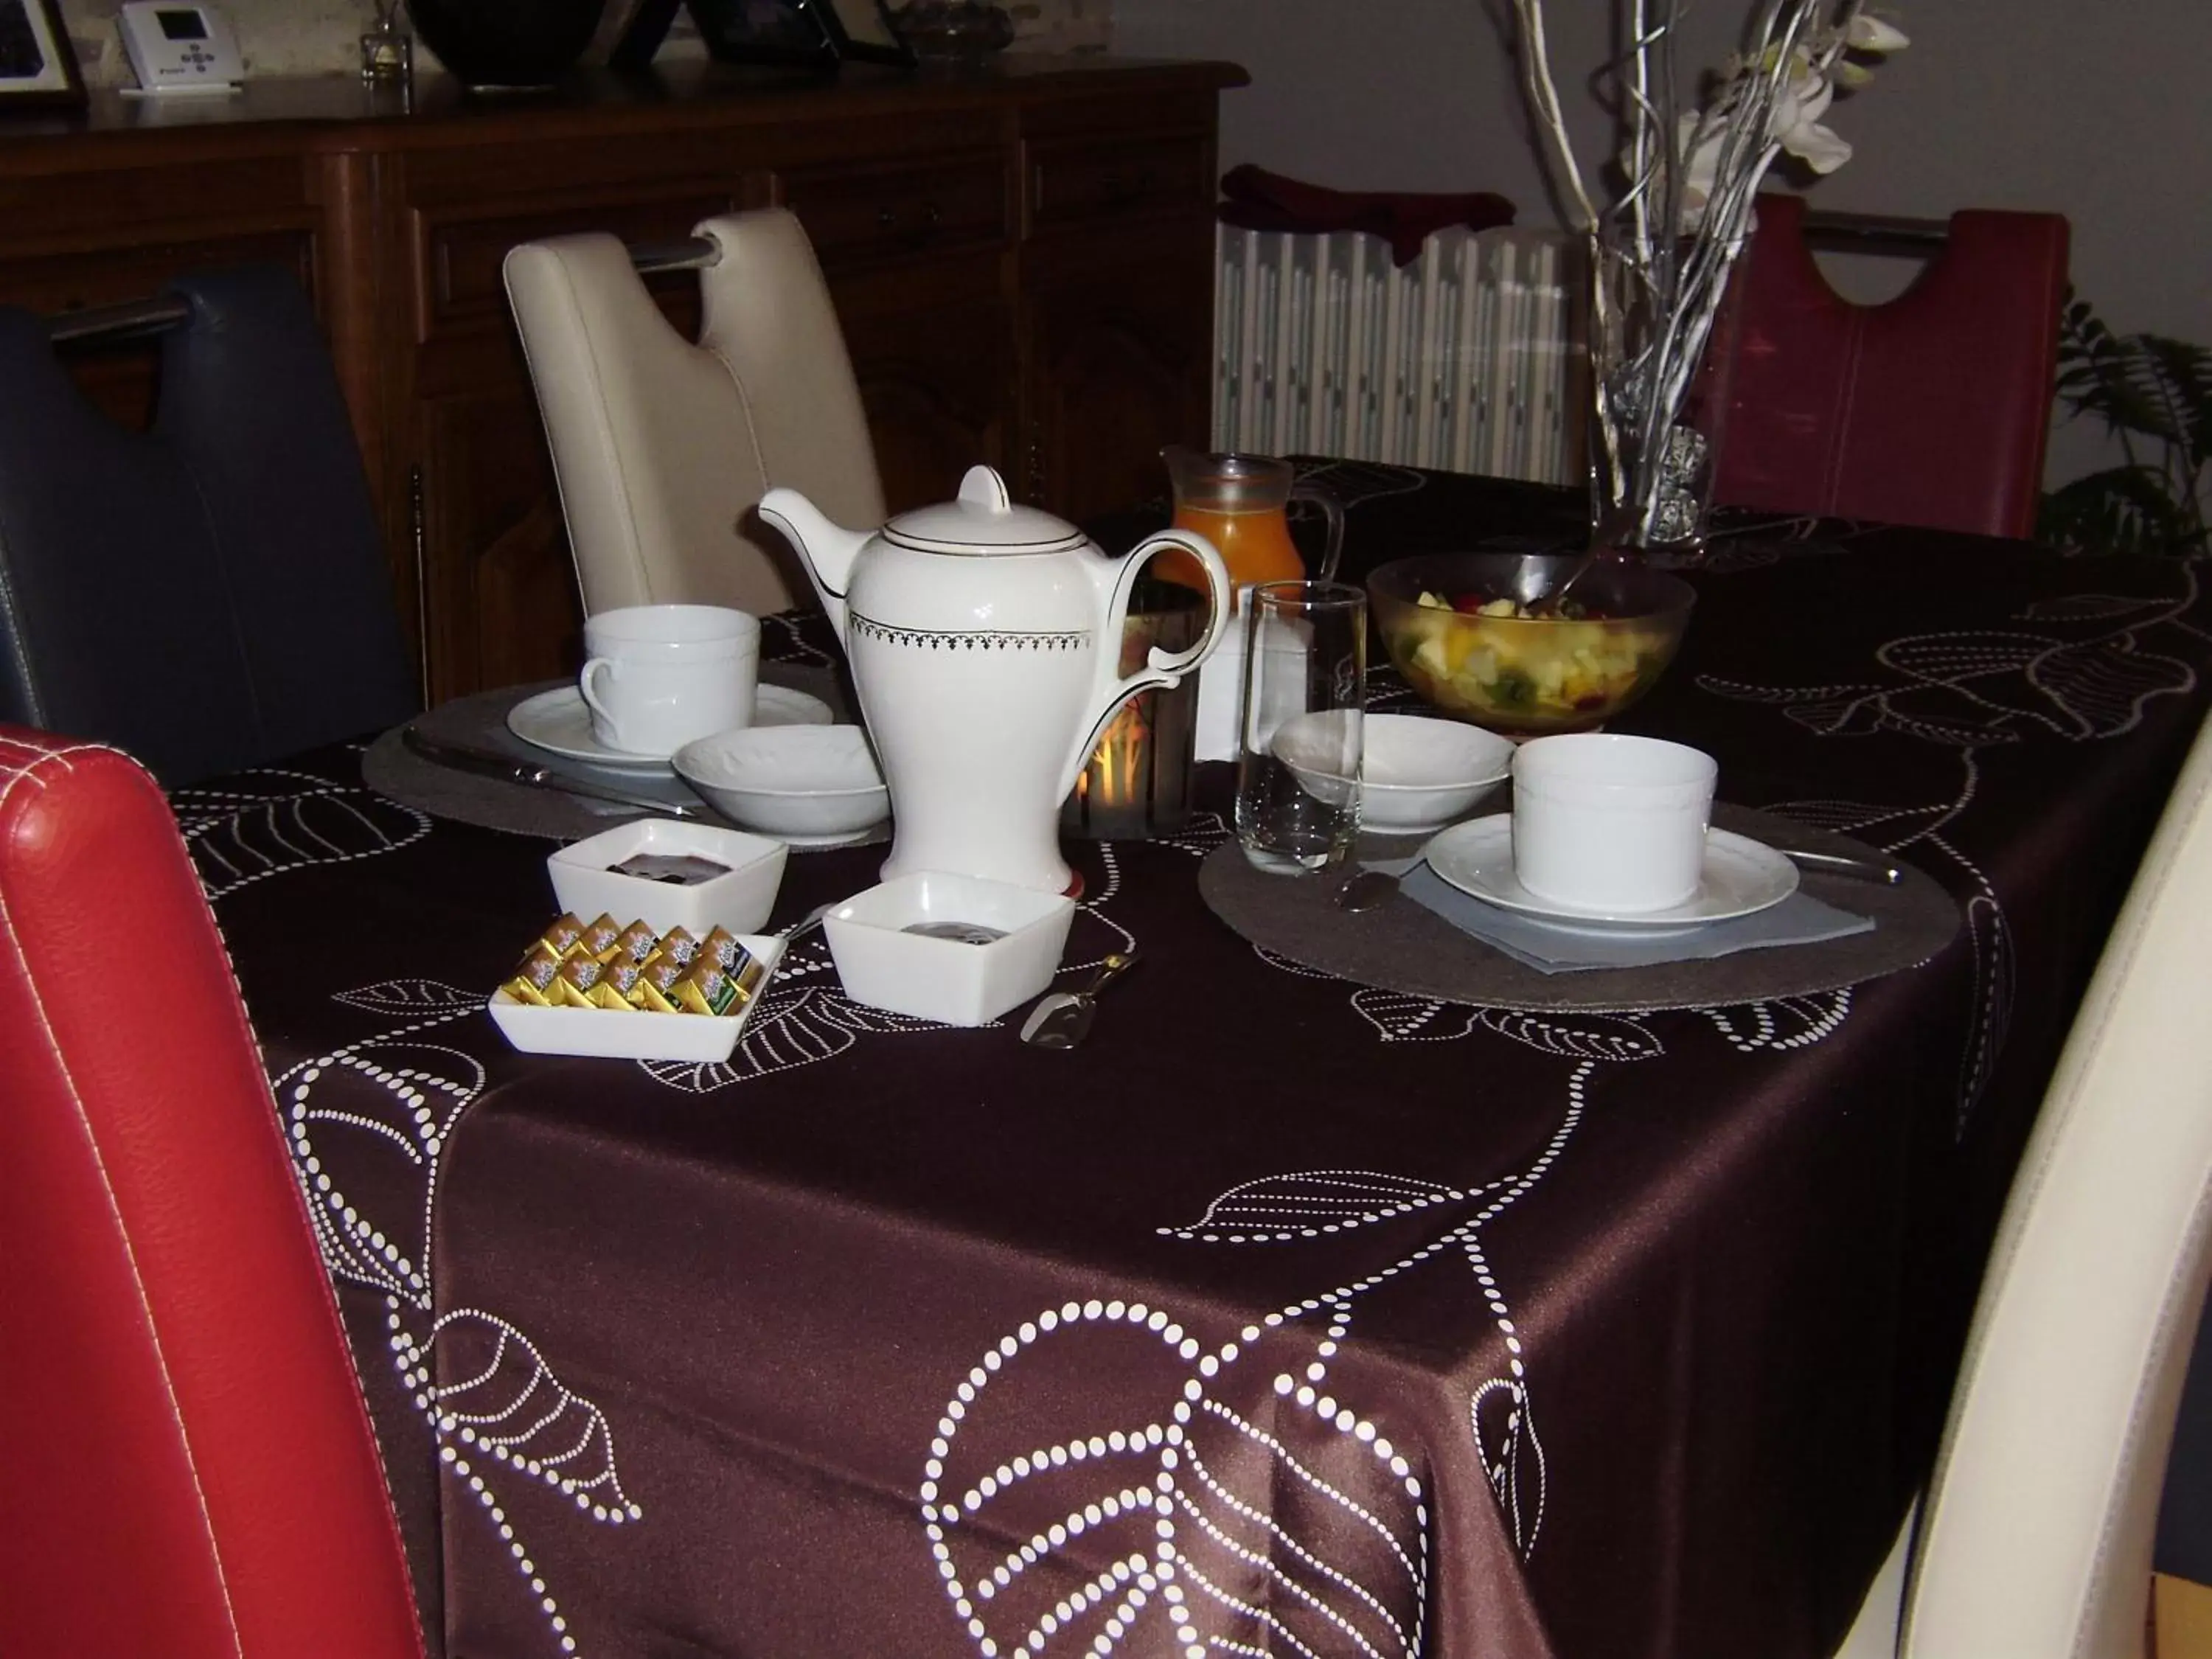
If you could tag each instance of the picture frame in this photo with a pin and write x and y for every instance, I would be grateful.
(789, 33)
(862, 31)
(37, 65)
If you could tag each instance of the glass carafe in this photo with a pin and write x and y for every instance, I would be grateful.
(1239, 503)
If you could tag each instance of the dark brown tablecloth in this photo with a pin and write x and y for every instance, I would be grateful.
(1285, 1312)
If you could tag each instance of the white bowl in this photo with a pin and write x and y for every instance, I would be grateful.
(1416, 774)
(738, 899)
(628, 1033)
(802, 784)
(947, 980)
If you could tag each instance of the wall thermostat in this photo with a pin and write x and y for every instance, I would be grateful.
(181, 47)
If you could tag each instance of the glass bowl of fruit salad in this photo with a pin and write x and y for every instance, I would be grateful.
(1472, 634)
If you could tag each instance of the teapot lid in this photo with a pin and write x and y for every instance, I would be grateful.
(984, 521)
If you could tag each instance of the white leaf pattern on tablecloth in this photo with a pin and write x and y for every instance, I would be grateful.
(2101, 687)
(793, 1026)
(394, 1099)
(1301, 1532)
(267, 821)
(1308, 1203)
(2084, 674)
(2089, 607)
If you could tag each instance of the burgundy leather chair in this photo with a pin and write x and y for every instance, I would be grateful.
(181, 1430)
(1929, 410)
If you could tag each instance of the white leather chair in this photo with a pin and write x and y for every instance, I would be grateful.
(662, 448)
(2033, 1539)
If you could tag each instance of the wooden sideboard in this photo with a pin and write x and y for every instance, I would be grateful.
(1021, 262)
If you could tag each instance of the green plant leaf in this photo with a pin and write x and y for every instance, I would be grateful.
(2122, 509)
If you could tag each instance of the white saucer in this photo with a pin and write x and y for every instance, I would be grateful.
(1742, 877)
(558, 722)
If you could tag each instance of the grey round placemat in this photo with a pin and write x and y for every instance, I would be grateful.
(1402, 947)
(479, 722)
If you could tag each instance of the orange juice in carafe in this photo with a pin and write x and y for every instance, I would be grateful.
(1236, 502)
(1255, 546)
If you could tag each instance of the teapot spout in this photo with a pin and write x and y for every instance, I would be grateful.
(827, 550)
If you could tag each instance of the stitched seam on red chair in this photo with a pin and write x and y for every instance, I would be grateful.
(292, 1184)
(114, 1208)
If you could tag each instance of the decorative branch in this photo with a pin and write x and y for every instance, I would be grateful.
(1661, 256)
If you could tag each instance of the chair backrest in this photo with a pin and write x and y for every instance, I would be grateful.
(180, 1423)
(212, 593)
(1932, 409)
(664, 448)
(2035, 1535)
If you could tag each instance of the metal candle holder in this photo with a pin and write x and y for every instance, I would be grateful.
(1137, 786)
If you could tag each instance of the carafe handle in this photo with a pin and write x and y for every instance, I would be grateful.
(1332, 513)
(1162, 667)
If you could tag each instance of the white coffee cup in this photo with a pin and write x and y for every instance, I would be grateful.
(1609, 825)
(662, 675)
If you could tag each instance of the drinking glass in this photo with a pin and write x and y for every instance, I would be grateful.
(1298, 724)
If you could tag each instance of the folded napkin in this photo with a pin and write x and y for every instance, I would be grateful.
(1259, 200)
(1549, 948)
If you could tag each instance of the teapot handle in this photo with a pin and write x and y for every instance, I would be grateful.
(1163, 667)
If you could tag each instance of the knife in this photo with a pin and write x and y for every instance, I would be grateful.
(1838, 864)
(491, 763)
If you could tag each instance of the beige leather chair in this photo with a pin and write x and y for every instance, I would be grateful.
(2034, 1537)
(662, 447)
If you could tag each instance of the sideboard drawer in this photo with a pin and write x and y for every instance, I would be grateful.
(1082, 183)
(859, 216)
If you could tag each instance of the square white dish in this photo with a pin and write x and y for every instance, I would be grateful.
(627, 1034)
(947, 980)
(585, 887)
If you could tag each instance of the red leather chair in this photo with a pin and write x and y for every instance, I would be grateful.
(1930, 409)
(182, 1435)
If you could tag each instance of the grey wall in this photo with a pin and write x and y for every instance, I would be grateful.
(2098, 111)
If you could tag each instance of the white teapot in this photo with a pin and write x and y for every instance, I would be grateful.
(985, 640)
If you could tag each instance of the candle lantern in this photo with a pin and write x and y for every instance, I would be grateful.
(1138, 782)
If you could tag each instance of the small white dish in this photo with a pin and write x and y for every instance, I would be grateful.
(557, 721)
(1417, 775)
(1740, 877)
(948, 979)
(809, 785)
(628, 1034)
(740, 899)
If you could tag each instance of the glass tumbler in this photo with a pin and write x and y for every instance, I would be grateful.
(1298, 724)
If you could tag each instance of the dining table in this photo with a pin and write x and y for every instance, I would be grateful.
(1290, 1314)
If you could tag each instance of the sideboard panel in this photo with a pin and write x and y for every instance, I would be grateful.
(1021, 262)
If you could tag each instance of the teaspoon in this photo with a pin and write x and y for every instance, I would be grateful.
(1366, 890)
(1061, 1020)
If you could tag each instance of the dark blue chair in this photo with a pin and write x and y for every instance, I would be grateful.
(212, 593)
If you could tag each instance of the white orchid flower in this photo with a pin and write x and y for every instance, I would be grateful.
(1867, 34)
(1797, 126)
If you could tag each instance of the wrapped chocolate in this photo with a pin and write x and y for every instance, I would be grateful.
(617, 984)
(722, 948)
(532, 979)
(638, 942)
(561, 938)
(655, 990)
(707, 988)
(599, 939)
(679, 944)
(573, 985)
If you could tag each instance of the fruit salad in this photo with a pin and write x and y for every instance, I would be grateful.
(1494, 660)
